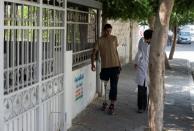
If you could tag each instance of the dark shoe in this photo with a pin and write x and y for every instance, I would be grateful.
(111, 109)
(146, 109)
(140, 111)
(104, 105)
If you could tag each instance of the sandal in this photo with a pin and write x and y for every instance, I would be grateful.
(104, 105)
(111, 109)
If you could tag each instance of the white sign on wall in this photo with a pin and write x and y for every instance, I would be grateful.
(79, 83)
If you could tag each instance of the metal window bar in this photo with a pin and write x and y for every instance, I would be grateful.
(36, 1)
(46, 62)
(81, 57)
(19, 47)
(43, 51)
(57, 66)
(21, 53)
(70, 37)
(55, 43)
(46, 58)
(51, 59)
(26, 40)
(50, 19)
(82, 25)
(58, 3)
(32, 56)
(16, 18)
(11, 89)
(57, 50)
(22, 60)
(28, 56)
(61, 51)
(7, 14)
(18, 56)
(25, 71)
(52, 52)
(35, 68)
(45, 43)
(30, 66)
(6, 58)
(75, 15)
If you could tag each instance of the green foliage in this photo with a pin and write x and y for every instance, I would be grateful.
(183, 13)
(138, 10)
(141, 10)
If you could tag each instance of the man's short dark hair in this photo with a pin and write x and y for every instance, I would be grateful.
(148, 34)
(107, 26)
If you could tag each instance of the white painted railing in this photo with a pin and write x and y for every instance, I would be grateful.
(33, 65)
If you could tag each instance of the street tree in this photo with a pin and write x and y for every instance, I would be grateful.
(157, 68)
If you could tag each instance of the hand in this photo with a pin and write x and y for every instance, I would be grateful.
(135, 66)
(120, 68)
(93, 67)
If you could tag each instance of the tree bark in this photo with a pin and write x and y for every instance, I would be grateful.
(151, 22)
(157, 67)
(174, 44)
(167, 65)
(131, 41)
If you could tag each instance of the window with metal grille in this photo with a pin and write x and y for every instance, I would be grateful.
(52, 40)
(58, 3)
(81, 32)
(20, 46)
(33, 64)
(21, 43)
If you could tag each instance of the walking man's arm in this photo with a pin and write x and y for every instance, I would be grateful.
(93, 56)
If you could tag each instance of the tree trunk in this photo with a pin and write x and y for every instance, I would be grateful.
(131, 42)
(167, 65)
(151, 22)
(157, 69)
(174, 44)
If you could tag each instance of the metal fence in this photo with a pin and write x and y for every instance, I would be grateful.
(81, 32)
(34, 39)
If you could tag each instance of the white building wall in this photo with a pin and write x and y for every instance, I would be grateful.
(84, 89)
(135, 39)
(127, 44)
(68, 88)
(122, 31)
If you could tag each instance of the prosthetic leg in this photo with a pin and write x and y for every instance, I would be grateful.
(105, 104)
